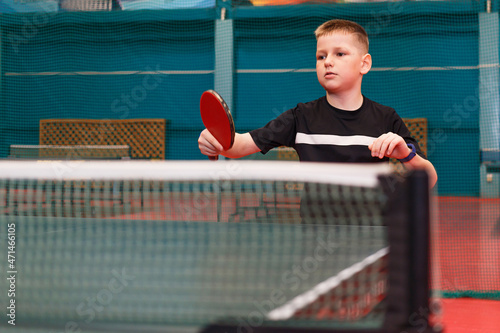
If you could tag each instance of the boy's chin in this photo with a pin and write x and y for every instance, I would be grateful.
(330, 87)
(331, 91)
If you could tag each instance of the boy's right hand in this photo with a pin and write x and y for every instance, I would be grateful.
(208, 144)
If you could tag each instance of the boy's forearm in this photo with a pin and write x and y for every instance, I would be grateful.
(421, 163)
(243, 145)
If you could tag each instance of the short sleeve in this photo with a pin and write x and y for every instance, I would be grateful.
(280, 131)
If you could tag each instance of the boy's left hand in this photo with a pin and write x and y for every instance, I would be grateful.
(389, 145)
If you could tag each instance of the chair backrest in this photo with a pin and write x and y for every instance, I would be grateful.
(418, 130)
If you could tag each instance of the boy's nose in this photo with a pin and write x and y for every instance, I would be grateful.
(328, 61)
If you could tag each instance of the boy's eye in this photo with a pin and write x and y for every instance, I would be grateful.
(321, 57)
(340, 54)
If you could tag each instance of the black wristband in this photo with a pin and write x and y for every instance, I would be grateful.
(411, 155)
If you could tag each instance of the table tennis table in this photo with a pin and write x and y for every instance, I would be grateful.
(104, 274)
(125, 273)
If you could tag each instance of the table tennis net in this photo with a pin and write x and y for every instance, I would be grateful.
(101, 245)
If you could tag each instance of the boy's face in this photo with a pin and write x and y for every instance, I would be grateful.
(341, 62)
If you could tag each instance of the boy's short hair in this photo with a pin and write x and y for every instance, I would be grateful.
(345, 26)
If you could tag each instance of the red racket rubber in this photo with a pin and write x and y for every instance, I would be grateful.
(217, 119)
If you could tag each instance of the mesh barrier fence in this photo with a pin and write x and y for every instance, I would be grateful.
(114, 61)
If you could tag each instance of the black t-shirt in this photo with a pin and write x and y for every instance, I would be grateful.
(320, 132)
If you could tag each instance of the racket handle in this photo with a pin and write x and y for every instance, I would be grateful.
(213, 158)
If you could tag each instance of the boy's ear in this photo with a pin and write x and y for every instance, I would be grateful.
(366, 63)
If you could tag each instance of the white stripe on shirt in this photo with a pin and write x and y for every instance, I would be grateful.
(339, 140)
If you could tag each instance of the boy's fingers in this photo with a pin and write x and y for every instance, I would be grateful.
(388, 144)
(391, 147)
(397, 147)
(384, 145)
(384, 149)
(208, 144)
(213, 142)
(376, 146)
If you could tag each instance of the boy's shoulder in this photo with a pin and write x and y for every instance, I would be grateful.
(371, 103)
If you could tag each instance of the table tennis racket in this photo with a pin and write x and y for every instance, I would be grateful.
(217, 119)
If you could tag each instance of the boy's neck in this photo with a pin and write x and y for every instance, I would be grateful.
(347, 102)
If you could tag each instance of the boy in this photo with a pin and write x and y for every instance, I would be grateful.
(344, 125)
